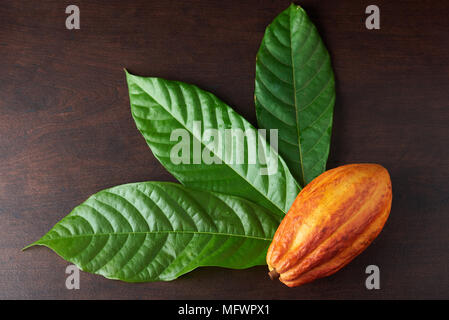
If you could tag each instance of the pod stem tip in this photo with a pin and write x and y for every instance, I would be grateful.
(273, 274)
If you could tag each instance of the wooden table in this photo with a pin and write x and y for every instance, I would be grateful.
(66, 131)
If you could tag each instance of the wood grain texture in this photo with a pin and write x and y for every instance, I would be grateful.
(66, 130)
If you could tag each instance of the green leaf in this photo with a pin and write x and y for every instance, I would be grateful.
(295, 92)
(154, 231)
(160, 107)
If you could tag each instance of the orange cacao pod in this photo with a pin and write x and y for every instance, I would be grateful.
(332, 220)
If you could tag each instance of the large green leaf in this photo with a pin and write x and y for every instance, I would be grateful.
(158, 231)
(161, 106)
(295, 92)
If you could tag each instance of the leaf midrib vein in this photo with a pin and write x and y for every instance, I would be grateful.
(155, 232)
(294, 97)
(205, 146)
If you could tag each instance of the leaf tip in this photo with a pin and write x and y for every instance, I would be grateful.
(295, 6)
(128, 74)
(29, 246)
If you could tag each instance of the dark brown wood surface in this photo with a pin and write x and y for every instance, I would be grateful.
(66, 131)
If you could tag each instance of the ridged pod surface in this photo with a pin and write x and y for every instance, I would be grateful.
(332, 220)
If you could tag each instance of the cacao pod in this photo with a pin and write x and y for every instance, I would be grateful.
(332, 220)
